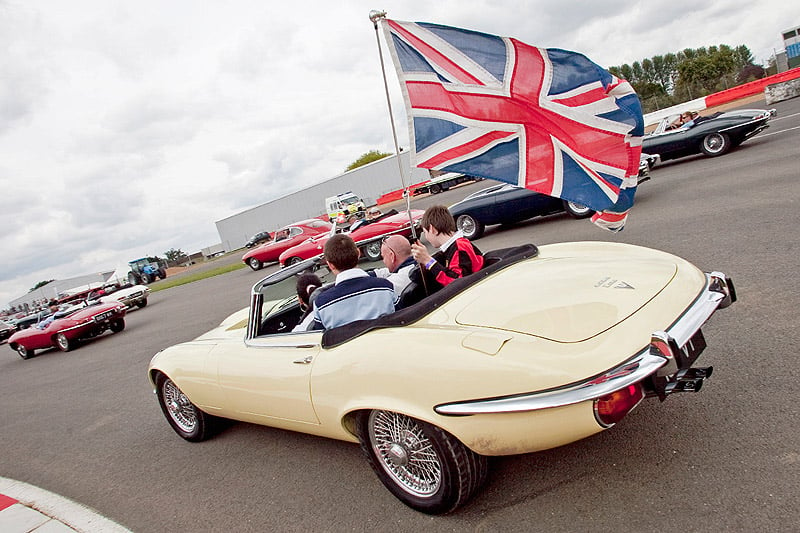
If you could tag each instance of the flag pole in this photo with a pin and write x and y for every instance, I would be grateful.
(377, 16)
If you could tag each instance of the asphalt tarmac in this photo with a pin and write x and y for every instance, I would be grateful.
(86, 425)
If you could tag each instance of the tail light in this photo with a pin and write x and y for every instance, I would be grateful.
(611, 408)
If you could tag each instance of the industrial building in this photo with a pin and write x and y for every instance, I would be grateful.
(371, 182)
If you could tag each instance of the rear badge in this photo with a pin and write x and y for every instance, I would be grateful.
(611, 283)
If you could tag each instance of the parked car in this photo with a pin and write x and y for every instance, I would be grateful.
(6, 330)
(258, 238)
(540, 348)
(507, 204)
(366, 233)
(284, 238)
(713, 135)
(32, 319)
(69, 328)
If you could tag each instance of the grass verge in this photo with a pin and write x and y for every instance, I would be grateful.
(196, 276)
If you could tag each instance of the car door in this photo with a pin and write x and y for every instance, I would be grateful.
(268, 377)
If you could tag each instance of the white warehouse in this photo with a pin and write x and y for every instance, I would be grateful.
(370, 182)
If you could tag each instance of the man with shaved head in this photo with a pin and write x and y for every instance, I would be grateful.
(396, 253)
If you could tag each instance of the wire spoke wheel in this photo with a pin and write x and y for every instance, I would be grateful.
(424, 466)
(715, 144)
(405, 452)
(180, 409)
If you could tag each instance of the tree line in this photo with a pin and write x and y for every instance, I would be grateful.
(666, 80)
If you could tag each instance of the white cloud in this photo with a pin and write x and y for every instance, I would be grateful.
(128, 128)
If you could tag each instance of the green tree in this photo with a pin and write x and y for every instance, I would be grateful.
(174, 255)
(40, 284)
(367, 157)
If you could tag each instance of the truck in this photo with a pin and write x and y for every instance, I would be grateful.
(343, 207)
(442, 182)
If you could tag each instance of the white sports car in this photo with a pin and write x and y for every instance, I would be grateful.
(134, 295)
(542, 347)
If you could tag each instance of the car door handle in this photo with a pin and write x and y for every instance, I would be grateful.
(304, 361)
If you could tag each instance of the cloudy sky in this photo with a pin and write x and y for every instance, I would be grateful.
(129, 128)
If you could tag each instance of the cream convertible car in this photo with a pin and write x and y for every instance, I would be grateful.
(541, 348)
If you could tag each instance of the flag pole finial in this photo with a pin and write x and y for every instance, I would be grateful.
(376, 15)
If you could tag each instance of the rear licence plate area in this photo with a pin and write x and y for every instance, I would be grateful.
(692, 349)
(103, 316)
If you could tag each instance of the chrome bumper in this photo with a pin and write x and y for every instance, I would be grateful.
(717, 294)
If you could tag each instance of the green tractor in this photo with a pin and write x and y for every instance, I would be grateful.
(146, 270)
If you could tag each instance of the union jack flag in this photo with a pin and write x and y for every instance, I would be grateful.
(549, 120)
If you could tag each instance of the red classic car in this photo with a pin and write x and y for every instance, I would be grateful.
(68, 327)
(285, 238)
(367, 233)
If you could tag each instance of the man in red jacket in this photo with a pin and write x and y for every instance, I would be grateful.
(456, 256)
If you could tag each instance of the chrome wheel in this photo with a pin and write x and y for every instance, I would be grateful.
(254, 263)
(373, 251)
(715, 144)
(470, 227)
(576, 210)
(181, 411)
(63, 343)
(405, 452)
(23, 351)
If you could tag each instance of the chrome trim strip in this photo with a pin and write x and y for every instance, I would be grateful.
(631, 371)
(758, 119)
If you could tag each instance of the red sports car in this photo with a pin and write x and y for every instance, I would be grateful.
(69, 327)
(367, 233)
(285, 238)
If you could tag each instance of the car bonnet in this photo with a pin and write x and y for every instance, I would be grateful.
(564, 299)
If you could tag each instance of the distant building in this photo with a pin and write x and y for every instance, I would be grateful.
(370, 182)
(791, 43)
(51, 291)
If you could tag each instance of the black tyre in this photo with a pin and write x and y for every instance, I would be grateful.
(292, 261)
(372, 251)
(117, 325)
(63, 343)
(254, 263)
(146, 278)
(715, 144)
(435, 188)
(577, 210)
(186, 418)
(23, 351)
(162, 273)
(141, 303)
(422, 465)
(133, 278)
(471, 227)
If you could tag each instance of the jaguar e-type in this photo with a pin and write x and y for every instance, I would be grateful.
(284, 239)
(479, 368)
(366, 233)
(508, 204)
(69, 327)
(711, 135)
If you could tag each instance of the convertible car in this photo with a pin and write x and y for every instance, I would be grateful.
(284, 239)
(712, 135)
(506, 204)
(135, 295)
(477, 369)
(366, 233)
(69, 327)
